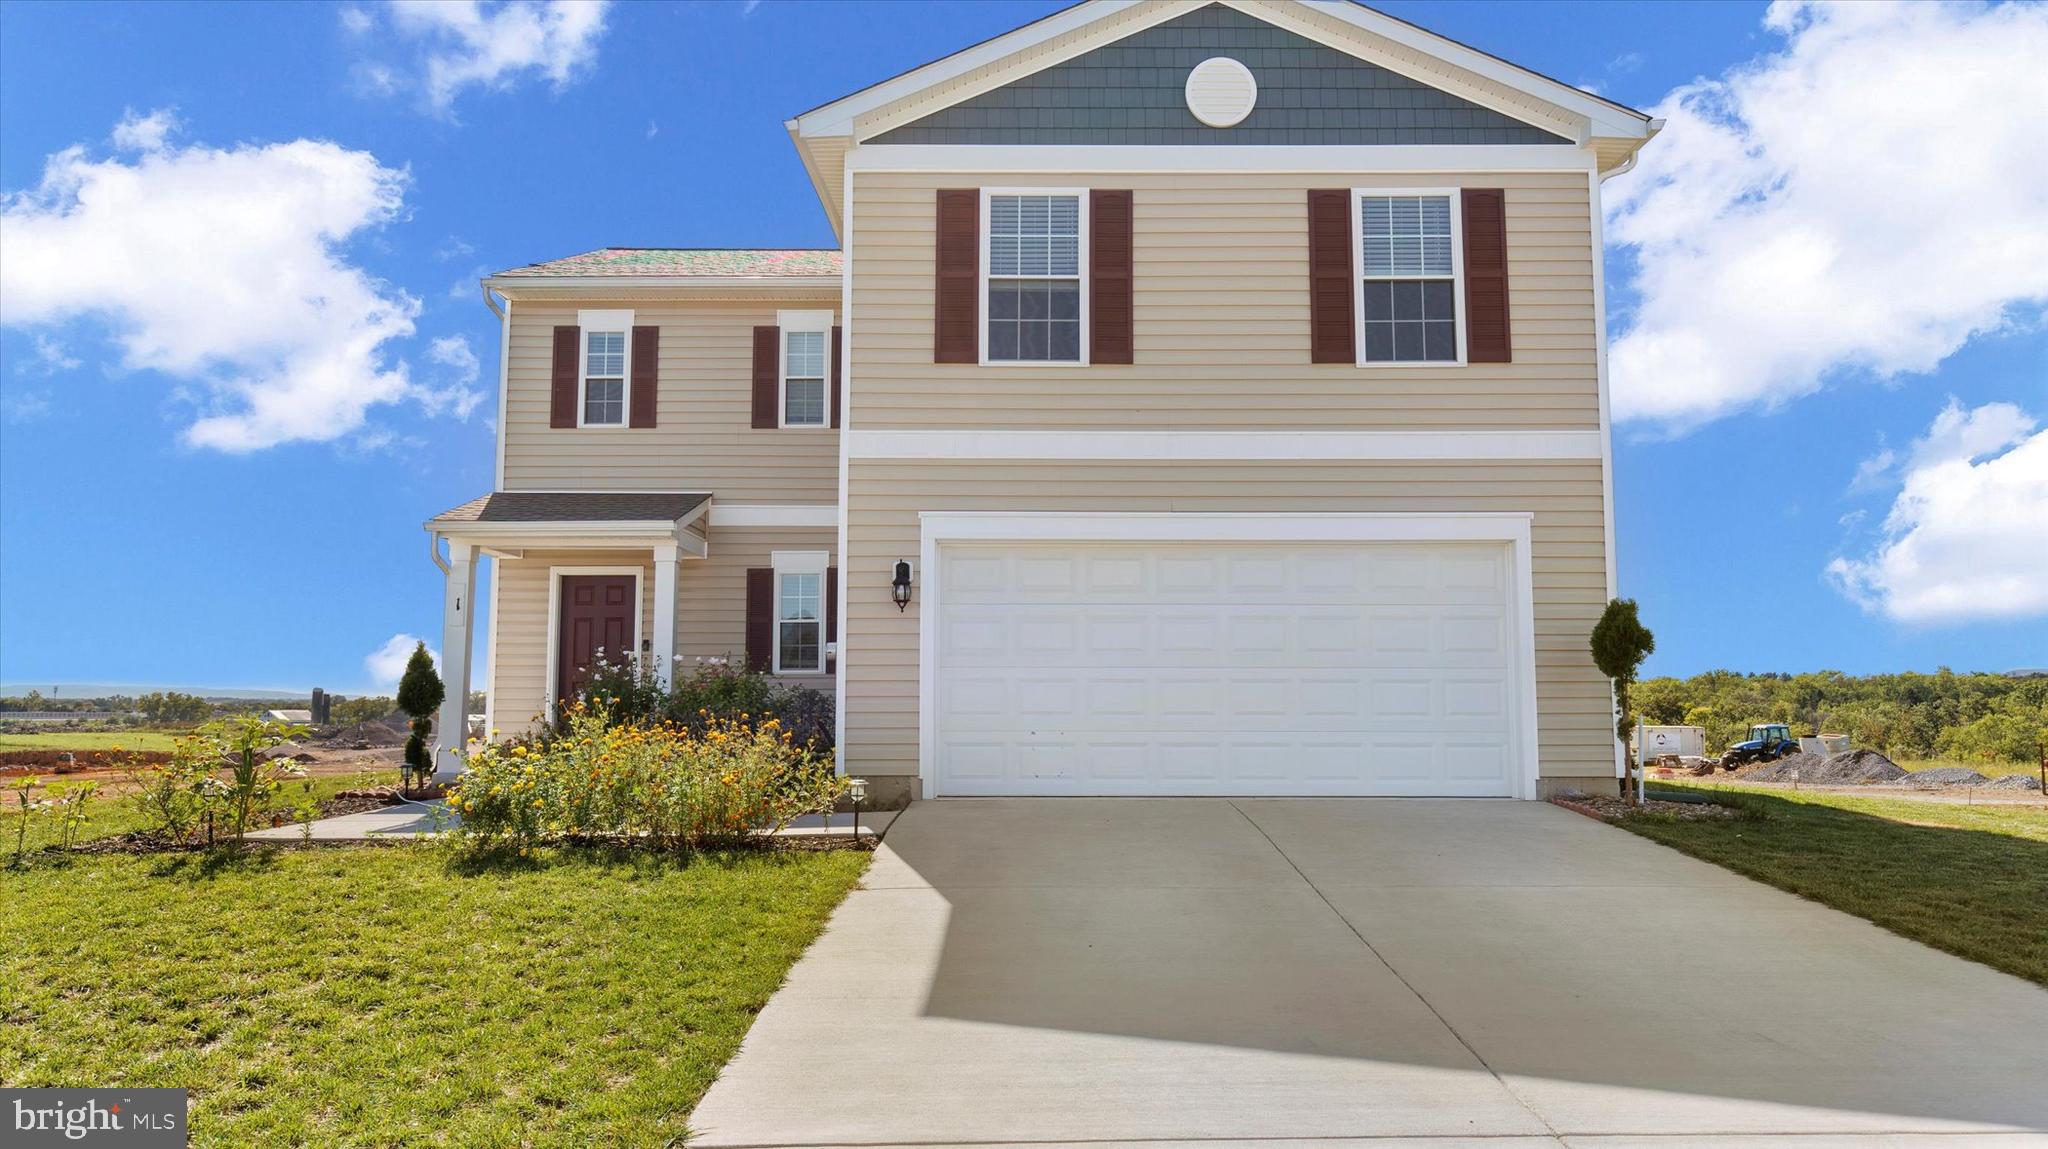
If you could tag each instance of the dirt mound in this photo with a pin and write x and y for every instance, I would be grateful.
(1943, 776)
(1855, 768)
(14, 762)
(2014, 782)
(366, 736)
(1804, 764)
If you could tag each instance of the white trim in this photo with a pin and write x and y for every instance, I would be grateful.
(611, 322)
(1221, 445)
(663, 650)
(1430, 159)
(797, 563)
(1593, 184)
(1081, 213)
(491, 653)
(939, 527)
(1456, 196)
(504, 391)
(817, 322)
(775, 515)
(847, 336)
(554, 652)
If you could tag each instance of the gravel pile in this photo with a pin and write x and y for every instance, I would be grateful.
(366, 736)
(2014, 782)
(1943, 776)
(1855, 768)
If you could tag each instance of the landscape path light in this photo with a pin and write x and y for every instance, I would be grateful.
(859, 787)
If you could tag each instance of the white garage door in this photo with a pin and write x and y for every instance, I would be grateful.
(1240, 668)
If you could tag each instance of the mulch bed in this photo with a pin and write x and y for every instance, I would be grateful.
(158, 842)
(18, 762)
(1610, 809)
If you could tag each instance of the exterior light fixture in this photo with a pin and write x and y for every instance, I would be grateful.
(859, 789)
(899, 587)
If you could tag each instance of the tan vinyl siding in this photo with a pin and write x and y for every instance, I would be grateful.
(703, 439)
(711, 610)
(1222, 317)
(1575, 735)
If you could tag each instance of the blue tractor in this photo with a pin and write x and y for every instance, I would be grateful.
(1766, 743)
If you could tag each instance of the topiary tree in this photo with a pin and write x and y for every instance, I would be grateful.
(1620, 644)
(419, 694)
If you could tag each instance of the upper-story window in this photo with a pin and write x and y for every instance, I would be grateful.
(1035, 278)
(606, 343)
(1409, 306)
(806, 359)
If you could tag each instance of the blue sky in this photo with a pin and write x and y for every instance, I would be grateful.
(1853, 478)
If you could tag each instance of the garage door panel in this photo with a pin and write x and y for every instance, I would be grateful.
(1260, 669)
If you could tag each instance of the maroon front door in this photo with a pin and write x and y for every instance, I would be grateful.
(597, 615)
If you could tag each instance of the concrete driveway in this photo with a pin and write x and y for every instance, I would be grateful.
(1337, 971)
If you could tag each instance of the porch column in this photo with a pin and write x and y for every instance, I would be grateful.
(457, 600)
(665, 612)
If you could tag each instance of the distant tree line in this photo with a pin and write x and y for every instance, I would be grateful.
(1964, 717)
(174, 708)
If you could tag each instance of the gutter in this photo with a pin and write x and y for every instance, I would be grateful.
(491, 301)
(1629, 164)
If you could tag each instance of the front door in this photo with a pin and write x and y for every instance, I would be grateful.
(598, 612)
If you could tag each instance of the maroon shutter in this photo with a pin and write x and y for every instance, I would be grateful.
(767, 377)
(1331, 335)
(831, 608)
(838, 349)
(1110, 330)
(956, 306)
(562, 384)
(761, 618)
(1486, 276)
(646, 385)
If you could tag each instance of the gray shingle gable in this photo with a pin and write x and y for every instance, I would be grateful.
(1131, 92)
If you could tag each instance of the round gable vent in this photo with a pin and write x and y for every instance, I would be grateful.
(1221, 92)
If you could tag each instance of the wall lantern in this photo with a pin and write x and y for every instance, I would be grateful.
(899, 587)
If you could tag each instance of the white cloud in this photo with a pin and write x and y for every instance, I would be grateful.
(454, 247)
(1965, 538)
(356, 21)
(460, 44)
(145, 133)
(1865, 201)
(386, 664)
(222, 268)
(51, 356)
(457, 394)
(24, 406)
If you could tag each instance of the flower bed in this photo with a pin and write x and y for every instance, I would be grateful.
(665, 784)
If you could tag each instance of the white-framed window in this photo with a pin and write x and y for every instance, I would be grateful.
(1034, 289)
(1411, 299)
(604, 368)
(806, 399)
(800, 611)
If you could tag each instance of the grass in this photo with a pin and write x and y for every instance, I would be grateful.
(112, 814)
(401, 996)
(90, 740)
(1971, 880)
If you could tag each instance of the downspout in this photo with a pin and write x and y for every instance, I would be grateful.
(434, 552)
(491, 301)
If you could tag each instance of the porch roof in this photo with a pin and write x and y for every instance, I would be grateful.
(574, 507)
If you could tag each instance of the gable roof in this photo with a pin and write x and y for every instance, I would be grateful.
(687, 263)
(1066, 33)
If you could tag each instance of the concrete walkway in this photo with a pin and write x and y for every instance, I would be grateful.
(1348, 972)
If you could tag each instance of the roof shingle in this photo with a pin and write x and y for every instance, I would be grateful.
(573, 507)
(688, 262)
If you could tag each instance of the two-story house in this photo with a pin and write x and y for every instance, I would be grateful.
(1205, 399)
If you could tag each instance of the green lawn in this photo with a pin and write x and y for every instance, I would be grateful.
(1972, 880)
(397, 996)
(113, 813)
(90, 740)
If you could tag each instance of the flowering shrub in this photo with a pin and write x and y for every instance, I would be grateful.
(629, 693)
(660, 782)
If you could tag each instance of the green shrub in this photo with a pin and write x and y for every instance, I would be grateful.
(628, 693)
(658, 782)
